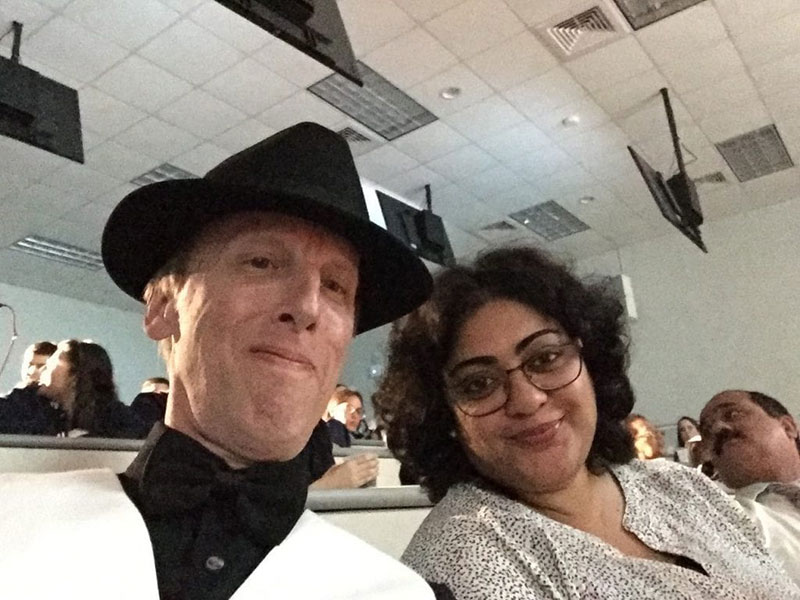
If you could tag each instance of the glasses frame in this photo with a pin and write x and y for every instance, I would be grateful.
(574, 343)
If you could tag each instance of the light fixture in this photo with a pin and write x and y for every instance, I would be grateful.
(586, 199)
(571, 121)
(450, 93)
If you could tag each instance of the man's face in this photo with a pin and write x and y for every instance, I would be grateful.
(746, 445)
(32, 366)
(260, 329)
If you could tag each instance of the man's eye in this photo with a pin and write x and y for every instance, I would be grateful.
(260, 262)
(335, 287)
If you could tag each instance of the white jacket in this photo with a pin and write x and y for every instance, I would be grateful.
(77, 535)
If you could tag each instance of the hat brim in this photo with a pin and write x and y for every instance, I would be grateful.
(152, 223)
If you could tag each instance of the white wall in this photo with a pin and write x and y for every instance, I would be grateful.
(42, 316)
(706, 323)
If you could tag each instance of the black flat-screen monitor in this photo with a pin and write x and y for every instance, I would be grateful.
(677, 200)
(420, 230)
(39, 111)
(314, 27)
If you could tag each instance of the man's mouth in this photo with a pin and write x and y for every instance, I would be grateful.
(283, 355)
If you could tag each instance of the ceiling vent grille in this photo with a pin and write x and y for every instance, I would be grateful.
(163, 172)
(716, 177)
(595, 24)
(501, 231)
(59, 252)
(550, 220)
(378, 105)
(641, 13)
(756, 153)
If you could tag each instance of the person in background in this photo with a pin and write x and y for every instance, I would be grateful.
(336, 416)
(150, 404)
(255, 277)
(507, 392)
(79, 378)
(754, 446)
(688, 441)
(33, 362)
(648, 440)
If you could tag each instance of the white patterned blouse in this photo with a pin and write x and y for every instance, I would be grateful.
(484, 545)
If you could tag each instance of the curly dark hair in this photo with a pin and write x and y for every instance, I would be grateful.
(411, 398)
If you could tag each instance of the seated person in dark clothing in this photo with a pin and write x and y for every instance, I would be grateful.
(150, 404)
(335, 417)
(26, 412)
(354, 472)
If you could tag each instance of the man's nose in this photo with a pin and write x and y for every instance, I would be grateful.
(301, 301)
(523, 396)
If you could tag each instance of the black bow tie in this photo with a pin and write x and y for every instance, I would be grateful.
(181, 475)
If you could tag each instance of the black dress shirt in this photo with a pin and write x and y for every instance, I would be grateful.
(210, 525)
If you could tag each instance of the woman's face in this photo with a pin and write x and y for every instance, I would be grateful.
(538, 441)
(686, 430)
(57, 381)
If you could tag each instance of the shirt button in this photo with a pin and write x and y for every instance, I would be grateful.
(214, 563)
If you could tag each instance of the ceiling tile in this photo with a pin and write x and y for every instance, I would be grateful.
(113, 197)
(118, 161)
(720, 97)
(484, 119)
(250, 87)
(595, 142)
(430, 141)
(520, 139)
(128, 24)
(410, 58)
(303, 106)
(464, 244)
(720, 62)
(183, 6)
(157, 139)
(474, 26)
(531, 58)
(770, 42)
(191, 52)
(383, 163)
(741, 15)
(569, 180)
(411, 184)
(773, 78)
(72, 49)
(23, 164)
(77, 234)
(230, 27)
(580, 245)
(514, 199)
(494, 181)
(243, 135)
(473, 89)
(462, 163)
(142, 83)
(534, 166)
(536, 12)
(552, 123)
(201, 159)
(459, 207)
(741, 119)
(81, 181)
(610, 65)
(630, 94)
(424, 10)
(17, 224)
(45, 200)
(684, 33)
(91, 214)
(546, 92)
(372, 23)
(105, 115)
(291, 64)
(202, 114)
(33, 15)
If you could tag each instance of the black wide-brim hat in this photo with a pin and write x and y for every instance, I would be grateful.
(306, 171)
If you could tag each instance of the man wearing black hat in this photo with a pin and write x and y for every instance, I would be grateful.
(255, 278)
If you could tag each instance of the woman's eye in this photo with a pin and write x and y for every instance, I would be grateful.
(476, 386)
(542, 359)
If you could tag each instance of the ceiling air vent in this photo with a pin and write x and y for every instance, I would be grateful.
(755, 153)
(501, 231)
(59, 252)
(550, 220)
(378, 105)
(595, 24)
(162, 172)
(353, 136)
(641, 13)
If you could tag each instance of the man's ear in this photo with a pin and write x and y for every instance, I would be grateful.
(789, 426)
(160, 317)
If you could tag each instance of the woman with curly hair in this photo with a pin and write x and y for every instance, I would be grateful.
(506, 394)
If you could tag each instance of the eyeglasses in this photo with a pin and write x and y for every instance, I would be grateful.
(480, 390)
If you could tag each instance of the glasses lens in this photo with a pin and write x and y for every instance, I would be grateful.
(552, 367)
(477, 391)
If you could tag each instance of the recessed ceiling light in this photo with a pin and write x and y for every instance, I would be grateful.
(450, 93)
(586, 199)
(571, 121)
